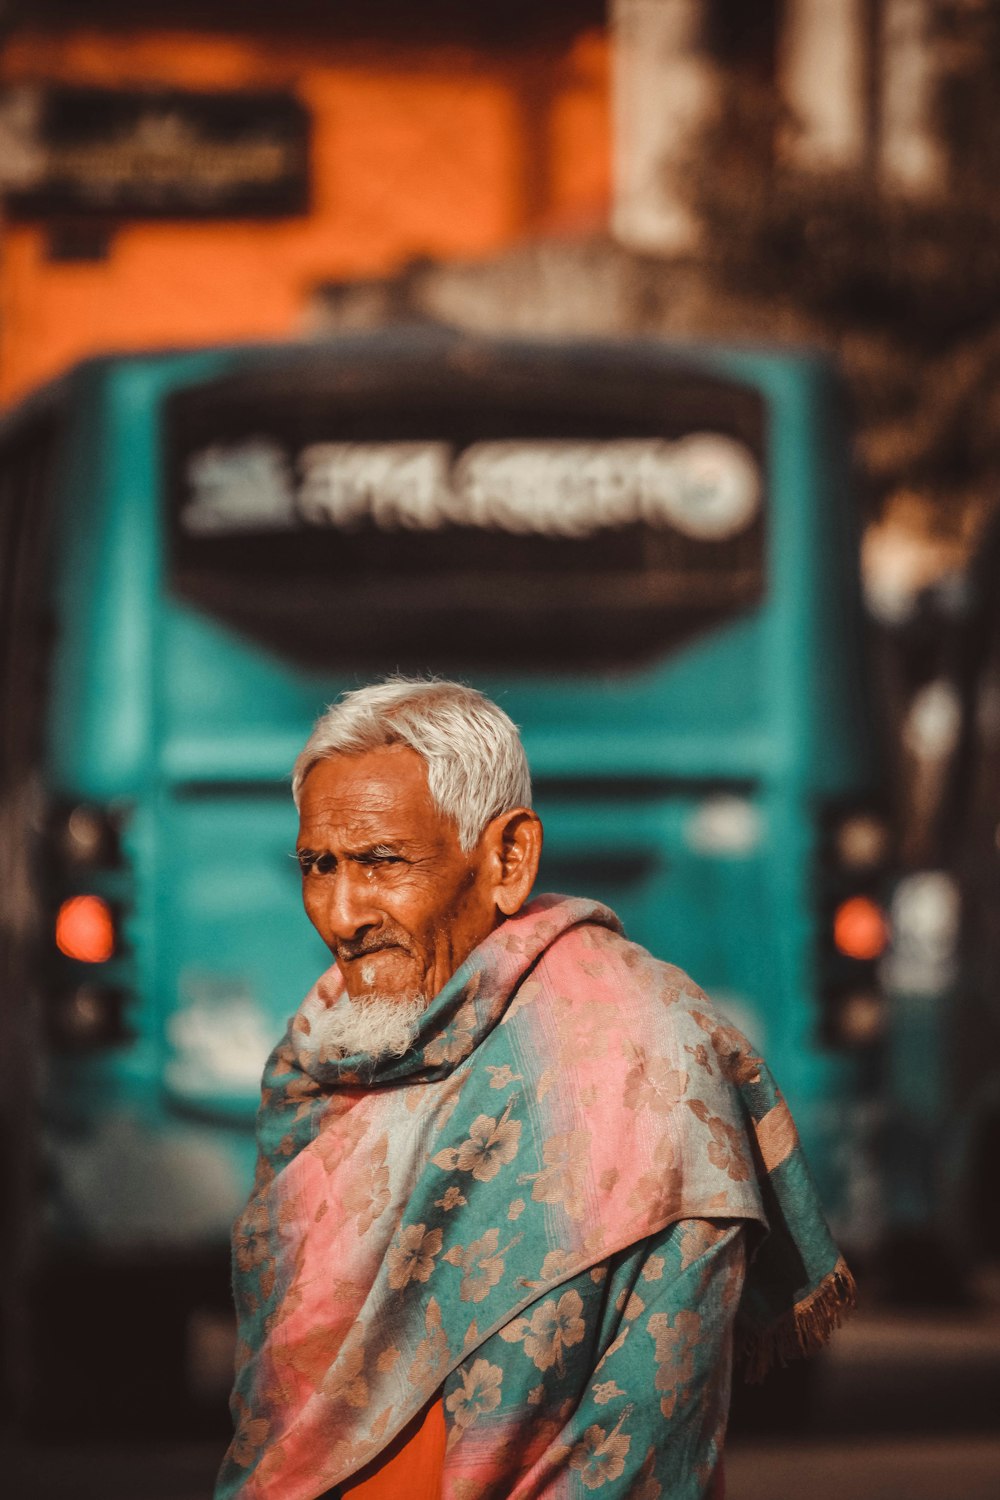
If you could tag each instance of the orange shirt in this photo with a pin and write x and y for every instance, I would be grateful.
(412, 1464)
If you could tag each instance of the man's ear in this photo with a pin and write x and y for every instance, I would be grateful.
(517, 844)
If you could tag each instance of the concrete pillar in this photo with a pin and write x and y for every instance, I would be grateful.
(911, 155)
(665, 89)
(823, 73)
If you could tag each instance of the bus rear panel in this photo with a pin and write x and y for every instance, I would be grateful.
(645, 553)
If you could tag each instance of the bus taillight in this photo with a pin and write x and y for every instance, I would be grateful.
(854, 857)
(89, 985)
(860, 929)
(85, 929)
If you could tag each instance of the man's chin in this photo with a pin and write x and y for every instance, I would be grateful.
(388, 974)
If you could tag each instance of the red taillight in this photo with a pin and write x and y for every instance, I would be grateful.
(860, 929)
(85, 929)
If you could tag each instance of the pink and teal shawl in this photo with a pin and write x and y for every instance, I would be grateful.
(417, 1224)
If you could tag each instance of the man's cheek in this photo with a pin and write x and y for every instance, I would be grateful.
(314, 911)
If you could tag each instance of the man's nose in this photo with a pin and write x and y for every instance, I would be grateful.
(350, 908)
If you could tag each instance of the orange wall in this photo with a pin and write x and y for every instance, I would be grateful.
(445, 153)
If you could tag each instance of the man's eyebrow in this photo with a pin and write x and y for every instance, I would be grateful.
(383, 849)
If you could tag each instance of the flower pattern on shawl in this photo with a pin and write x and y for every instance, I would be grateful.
(501, 1076)
(368, 1196)
(525, 996)
(675, 1346)
(482, 1265)
(329, 1361)
(652, 1083)
(656, 1194)
(491, 1145)
(301, 1092)
(566, 1157)
(411, 1258)
(556, 1266)
(250, 1238)
(586, 1026)
(600, 1456)
(737, 1060)
(698, 1236)
(725, 1149)
(456, 1040)
(339, 1137)
(251, 1434)
(431, 1357)
(346, 1379)
(478, 1393)
(552, 1327)
(453, 1198)
(700, 1055)
(526, 944)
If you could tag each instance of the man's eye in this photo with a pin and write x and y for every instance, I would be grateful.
(319, 864)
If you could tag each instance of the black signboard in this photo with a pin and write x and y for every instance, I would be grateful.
(167, 154)
(393, 504)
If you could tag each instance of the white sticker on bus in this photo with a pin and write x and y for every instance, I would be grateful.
(706, 486)
(241, 488)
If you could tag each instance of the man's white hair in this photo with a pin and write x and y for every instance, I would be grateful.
(476, 765)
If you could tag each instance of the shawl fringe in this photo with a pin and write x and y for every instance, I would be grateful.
(802, 1331)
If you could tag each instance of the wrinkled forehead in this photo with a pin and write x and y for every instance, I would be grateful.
(382, 794)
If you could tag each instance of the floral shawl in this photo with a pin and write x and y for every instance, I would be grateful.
(568, 1099)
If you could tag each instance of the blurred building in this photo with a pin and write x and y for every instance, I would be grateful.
(189, 173)
(807, 170)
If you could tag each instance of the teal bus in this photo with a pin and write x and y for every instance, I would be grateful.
(645, 552)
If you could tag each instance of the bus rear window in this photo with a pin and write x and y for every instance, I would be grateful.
(464, 532)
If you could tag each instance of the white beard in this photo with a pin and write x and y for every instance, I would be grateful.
(377, 1026)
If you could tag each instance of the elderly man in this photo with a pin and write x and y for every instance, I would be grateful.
(520, 1190)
